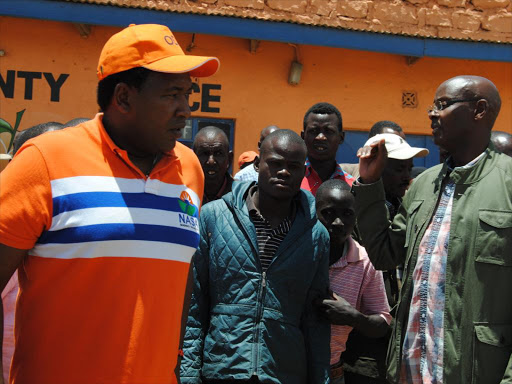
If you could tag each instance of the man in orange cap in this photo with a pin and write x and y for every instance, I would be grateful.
(105, 234)
(247, 158)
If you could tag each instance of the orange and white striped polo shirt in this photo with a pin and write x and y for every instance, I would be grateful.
(102, 289)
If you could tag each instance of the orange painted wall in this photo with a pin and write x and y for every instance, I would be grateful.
(365, 86)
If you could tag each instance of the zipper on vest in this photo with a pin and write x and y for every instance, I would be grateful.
(262, 295)
(259, 316)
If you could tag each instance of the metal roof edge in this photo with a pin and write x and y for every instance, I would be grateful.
(281, 19)
(258, 29)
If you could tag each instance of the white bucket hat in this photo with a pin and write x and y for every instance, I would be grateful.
(397, 147)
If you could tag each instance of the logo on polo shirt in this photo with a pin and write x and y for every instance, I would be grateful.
(186, 204)
(187, 219)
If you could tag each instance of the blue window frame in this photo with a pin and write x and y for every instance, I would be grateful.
(195, 124)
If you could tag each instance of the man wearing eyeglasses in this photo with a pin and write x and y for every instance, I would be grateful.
(453, 233)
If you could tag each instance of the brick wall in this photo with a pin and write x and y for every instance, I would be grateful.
(488, 20)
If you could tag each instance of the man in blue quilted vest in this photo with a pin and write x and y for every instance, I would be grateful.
(262, 260)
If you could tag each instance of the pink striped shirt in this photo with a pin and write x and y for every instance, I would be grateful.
(354, 278)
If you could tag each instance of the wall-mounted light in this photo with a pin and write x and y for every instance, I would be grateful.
(295, 68)
(253, 45)
(295, 73)
(83, 29)
(192, 44)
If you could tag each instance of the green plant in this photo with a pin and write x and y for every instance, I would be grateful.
(6, 127)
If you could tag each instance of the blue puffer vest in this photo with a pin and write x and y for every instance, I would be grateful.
(243, 322)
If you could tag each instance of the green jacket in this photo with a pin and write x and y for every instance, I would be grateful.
(245, 322)
(478, 290)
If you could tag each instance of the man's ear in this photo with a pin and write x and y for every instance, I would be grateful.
(342, 137)
(230, 158)
(482, 107)
(121, 99)
(302, 134)
(257, 163)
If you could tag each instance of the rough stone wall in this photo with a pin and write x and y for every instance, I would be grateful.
(482, 20)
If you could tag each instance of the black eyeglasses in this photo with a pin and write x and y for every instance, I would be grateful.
(440, 105)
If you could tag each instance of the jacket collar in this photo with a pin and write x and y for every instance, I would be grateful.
(305, 201)
(225, 188)
(305, 216)
(251, 207)
(470, 173)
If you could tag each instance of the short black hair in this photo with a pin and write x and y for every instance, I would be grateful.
(323, 109)
(287, 135)
(76, 121)
(134, 77)
(210, 131)
(379, 126)
(34, 131)
(331, 184)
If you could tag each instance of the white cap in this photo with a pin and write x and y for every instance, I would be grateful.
(397, 147)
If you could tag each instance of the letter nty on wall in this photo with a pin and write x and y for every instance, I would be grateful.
(8, 82)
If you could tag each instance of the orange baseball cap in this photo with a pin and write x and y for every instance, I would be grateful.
(154, 47)
(246, 157)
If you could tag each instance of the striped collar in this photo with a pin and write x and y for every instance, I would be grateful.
(337, 171)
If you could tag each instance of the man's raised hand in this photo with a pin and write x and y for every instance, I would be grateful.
(372, 160)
